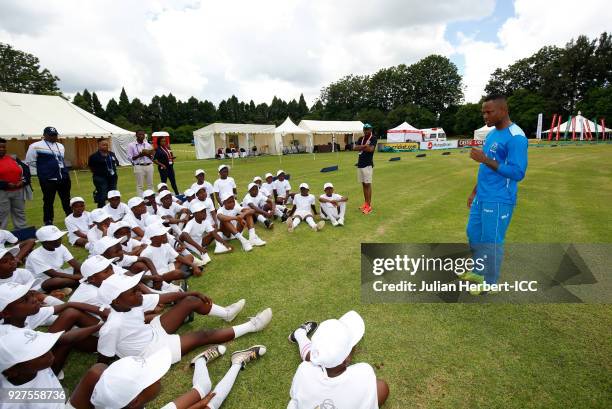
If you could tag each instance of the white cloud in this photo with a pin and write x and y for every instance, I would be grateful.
(536, 24)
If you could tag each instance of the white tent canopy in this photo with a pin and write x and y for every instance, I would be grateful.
(24, 116)
(323, 132)
(221, 135)
(292, 135)
(404, 132)
(481, 133)
(580, 126)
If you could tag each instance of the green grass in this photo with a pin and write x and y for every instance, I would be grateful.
(432, 356)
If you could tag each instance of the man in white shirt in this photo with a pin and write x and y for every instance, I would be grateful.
(225, 185)
(282, 189)
(141, 154)
(78, 223)
(200, 176)
(261, 205)
(115, 207)
(333, 205)
(233, 219)
(303, 210)
(326, 377)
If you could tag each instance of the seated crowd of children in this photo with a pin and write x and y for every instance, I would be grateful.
(126, 301)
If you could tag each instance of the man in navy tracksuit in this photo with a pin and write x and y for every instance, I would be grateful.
(503, 163)
(46, 159)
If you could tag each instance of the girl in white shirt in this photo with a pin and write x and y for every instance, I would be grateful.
(303, 210)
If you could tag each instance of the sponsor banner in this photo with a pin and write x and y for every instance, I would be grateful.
(470, 142)
(439, 145)
(399, 146)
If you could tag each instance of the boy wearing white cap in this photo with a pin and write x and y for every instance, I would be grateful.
(224, 185)
(233, 218)
(333, 205)
(303, 209)
(150, 200)
(122, 231)
(260, 203)
(203, 197)
(326, 377)
(138, 218)
(162, 187)
(101, 221)
(171, 212)
(199, 233)
(200, 176)
(78, 223)
(125, 332)
(115, 207)
(282, 189)
(46, 262)
(94, 270)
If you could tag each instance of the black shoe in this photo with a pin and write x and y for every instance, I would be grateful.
(284, 218)
(309, 326)
(268, 224)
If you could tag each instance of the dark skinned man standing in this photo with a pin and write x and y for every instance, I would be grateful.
(365, 165)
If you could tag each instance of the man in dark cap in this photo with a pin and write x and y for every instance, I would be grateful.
(46, 160)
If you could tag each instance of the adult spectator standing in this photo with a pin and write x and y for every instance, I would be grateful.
(141, 154)
(14, 180)
(164, 158)
(365, 165)
(46, 160)
(103, 165)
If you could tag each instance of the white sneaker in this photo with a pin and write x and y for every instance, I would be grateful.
(206, 258)
(261, 320)
(320, 225)
(209, 354)
(246, 246)
(198, 262)
(333, 222)
(233, 310)
(341, 222)
(256, 241)
(245, 356)
(220, 248)
(290, 224)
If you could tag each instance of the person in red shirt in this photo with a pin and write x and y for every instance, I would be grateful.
(12, 199)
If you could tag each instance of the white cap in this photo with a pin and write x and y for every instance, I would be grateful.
(112, 229)
(268, 175)
(200, 187)
(189, 193)
(76, 199)
(24, 345)
(114, 285)
(197, 207)
(12, 291)
(99, 215)
(163, 194)
(225, 196)
(135, 201)
(335, 339)
(104, 244)
(279, 172)
(148, 193)
(155, 229)
(257, 178)
(5, 250)
(113, 193)
(160, 185)
(200, 172)
(252, 185)
(94, 265)
(304, 186)
(222, 166)
(126, 378)
(49, 233)
(328, 184)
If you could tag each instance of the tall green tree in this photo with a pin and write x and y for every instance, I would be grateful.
(112, 110)
(97, 106)
(436, 83)
(468, 118)
(124, 104)
(21, 72)
(524, 107)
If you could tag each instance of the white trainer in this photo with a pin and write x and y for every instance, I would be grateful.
(341, 222)
(206, 258)
(320, 225)
(256, 241)
(220, 248)
(234, 309)
(261, 320)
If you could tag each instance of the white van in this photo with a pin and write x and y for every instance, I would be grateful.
(433, 134)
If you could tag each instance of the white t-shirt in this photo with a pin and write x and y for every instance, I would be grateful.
(74, 224)
(207, 185)
(234, 212)
(20, 276)
(130, 245)
(222, 186)
(86, 293)
(303, 203)
(7, 237)
(258, 201)
(354, 389)
(198, 230)
(118, 213)
(32, 321)
(282, 188)
(41, 260)
(334, 196)
(44, 380)
(143, 222)
(267, 189)
(161, 256)
(172, 211)
(93, 235)
(125, 333)
(209, 206)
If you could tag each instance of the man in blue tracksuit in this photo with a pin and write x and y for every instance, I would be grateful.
(503, 163)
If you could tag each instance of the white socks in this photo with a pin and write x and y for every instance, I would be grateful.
(261, 219)
(240, 237)
(224, 387)
(278, 212)
(296, 221)
(252, 233)
(301, 337)
(218, 311)
(311, 222)
(243, 329)
(52, 301)
(201, 378)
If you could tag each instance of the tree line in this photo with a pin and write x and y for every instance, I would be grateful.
(428, 93)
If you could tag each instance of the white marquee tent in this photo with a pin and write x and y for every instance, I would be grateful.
(293, 137)
(324, 132)
(481, 133)
(220, 135)
(24, 116)
(581, 125)
(404, 132)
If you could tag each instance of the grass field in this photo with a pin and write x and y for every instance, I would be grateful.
(432, 356)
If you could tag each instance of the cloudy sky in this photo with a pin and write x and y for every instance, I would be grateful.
(258, 49)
